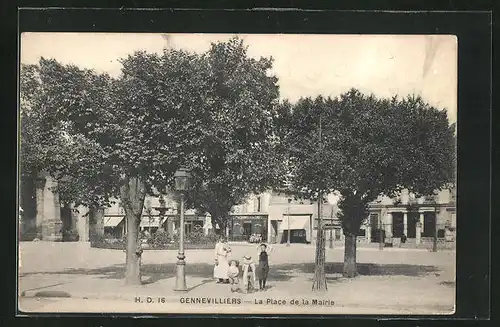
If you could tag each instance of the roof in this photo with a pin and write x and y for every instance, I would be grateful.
(294, 222)
(260, 214)
(112, 221)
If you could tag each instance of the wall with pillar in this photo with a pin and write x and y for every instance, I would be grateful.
(368, 231)
(419, 228)
(39, 192)
(82, 223)
(265, 202)
(48, 217)
(445, 212)
(388, 224)
(405, 223)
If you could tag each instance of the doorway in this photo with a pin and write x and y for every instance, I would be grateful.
(67, 223)
(247, 229)
(296, 236)
(375, 227)
(429, 224)
(413, 217)
(397, 224)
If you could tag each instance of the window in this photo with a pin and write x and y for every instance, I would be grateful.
(188, 228)
(374, 221)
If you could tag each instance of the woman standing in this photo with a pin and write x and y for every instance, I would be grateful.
(263, 268)
(222, 250)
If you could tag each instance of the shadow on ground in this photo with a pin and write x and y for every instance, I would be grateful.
(283, 272)
(448, 283)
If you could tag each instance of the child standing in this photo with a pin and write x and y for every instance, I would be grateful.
(222, 252)
(233, 274)
(263, 268)
(248, 268)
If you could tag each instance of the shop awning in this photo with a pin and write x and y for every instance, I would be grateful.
(150, 222)
(112, 221)
(296, 222)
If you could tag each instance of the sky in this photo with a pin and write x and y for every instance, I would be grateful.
(306, 65)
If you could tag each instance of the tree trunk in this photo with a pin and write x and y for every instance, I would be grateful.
(132, 194)
(96, 217)
(350, 269)
(319, 282)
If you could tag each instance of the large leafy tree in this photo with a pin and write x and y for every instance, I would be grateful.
(210, 112)
(47, 144)
(239, 152)
(123, 135)
(371, 147)
(392, 144)
(314, 155)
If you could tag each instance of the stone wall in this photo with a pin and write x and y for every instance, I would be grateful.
(50, 214)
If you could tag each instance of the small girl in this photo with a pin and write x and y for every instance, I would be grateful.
(249, 268)
(263, 269)
(233, 273)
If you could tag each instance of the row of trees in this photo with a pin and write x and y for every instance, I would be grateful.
(219, 114)
(362, 147)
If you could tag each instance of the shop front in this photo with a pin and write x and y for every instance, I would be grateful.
(299, 227)
(247, 228)
(114, 226)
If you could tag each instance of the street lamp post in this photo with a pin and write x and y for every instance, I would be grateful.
(181, 184)
(288, 219)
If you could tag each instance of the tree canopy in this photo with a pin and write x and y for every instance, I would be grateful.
(48, 142)
(122, 137)
(370, 147)
(238, 152)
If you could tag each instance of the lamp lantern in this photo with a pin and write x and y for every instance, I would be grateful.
(181, 177)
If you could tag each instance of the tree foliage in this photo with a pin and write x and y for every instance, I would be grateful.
(47, 139)
(237, 153)
(115, 137)
(371, 147)
(125, 136)
(392, 144)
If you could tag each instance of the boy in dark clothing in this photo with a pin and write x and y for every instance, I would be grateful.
(263, 267)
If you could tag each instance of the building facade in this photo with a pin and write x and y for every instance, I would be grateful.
(44, 217)
(417, 219)
(159, 213)
(273, 215)
(269, 215)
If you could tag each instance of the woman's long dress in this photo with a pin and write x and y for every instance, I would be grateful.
(263, 268)
(221, 269)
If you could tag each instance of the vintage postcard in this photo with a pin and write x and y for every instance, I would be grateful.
(237, 174)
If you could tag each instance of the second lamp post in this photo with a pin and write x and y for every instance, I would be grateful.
(181, 185)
